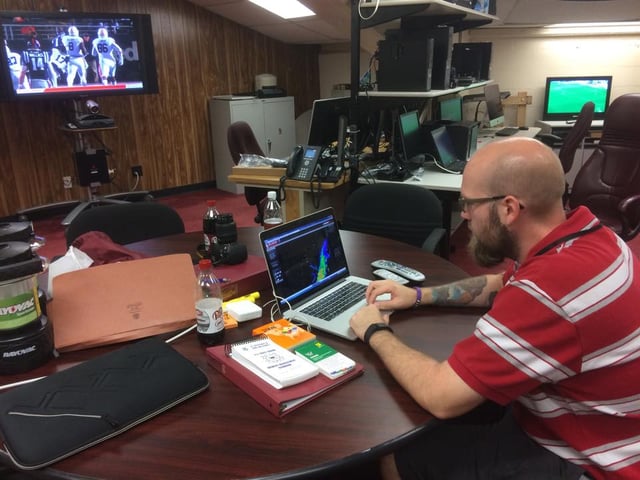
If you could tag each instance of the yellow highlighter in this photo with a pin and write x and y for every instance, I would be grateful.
(252, 297)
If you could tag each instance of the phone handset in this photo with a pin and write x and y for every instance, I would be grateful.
(330, 169)
(302, 162)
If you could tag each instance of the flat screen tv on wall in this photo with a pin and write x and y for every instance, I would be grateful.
(565, 96)
(71, 55)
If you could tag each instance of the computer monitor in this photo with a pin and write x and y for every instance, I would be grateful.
(565, 96)
(450, 109)
(494, 105)
(413, 142)
(325, 121)
(472, 60)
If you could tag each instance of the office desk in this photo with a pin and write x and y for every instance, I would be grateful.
(447, 185)
(223, 434)
(301, 198)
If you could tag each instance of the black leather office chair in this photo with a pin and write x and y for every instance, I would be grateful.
(127, 223)
(574, 139)
(407, 213)
(241, 140)
(609, 181)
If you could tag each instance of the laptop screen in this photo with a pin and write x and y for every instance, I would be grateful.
(304, 256)
(444, 146)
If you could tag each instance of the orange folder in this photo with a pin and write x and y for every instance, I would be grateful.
(122, 301)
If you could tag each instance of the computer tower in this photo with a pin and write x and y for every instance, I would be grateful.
(464, 136)
(442, 51)
(414, 27)
(405, 65)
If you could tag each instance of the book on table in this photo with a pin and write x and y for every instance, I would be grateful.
(271, 362)
(285, 333)
(331, 363)
(278, 401)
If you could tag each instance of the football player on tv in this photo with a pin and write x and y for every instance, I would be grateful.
(77, 65)
(57, 60)
(17, 68)
(109, 56)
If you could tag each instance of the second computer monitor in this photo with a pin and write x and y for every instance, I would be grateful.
(413, 143)
(494, 105)
(450, 109)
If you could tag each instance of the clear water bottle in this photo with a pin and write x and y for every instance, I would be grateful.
(209, 226)
(272, 214)
(209, 318)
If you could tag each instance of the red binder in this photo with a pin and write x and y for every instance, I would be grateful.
(278, 402)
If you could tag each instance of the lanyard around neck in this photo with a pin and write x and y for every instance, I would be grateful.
(566, 238)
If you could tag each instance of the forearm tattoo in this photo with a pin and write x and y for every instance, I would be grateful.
(459, 293)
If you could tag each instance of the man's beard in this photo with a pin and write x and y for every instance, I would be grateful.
(496, 244)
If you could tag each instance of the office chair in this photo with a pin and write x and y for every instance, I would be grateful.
(241, 140)
(128, 222)
(406, 213)
(570, 143)
(609, 181)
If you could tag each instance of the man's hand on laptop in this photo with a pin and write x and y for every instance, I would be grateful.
(398, 297)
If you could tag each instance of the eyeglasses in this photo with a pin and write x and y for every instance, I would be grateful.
(465, 202)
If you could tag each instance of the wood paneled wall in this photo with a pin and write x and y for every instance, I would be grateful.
(198, 55)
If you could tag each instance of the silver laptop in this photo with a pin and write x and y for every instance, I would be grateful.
(309, 273)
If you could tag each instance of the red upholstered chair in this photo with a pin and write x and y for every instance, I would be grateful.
(241, 140)
(609, 181)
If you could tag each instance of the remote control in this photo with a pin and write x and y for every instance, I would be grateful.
(387, 275)
(406, 272)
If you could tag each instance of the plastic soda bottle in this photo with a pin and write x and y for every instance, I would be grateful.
(209, 318)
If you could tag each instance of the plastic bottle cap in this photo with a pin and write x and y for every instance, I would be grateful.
(271, 195)
(211, 203)
(204, 263)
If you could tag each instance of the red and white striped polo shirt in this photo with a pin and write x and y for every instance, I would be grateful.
(562, 342)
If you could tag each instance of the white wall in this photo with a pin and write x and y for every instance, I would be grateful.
(523, 58)
(335, 68)
(522, 63)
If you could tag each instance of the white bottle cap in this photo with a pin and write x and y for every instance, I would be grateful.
(271, 195)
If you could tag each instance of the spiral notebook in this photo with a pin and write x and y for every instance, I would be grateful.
(278, 401)
(272, 363)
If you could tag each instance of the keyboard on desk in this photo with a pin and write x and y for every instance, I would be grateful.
(507, 131)
(330, 306)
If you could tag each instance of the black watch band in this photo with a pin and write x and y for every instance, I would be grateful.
(373, 328)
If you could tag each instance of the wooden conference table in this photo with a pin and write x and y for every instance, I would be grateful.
(224, 434)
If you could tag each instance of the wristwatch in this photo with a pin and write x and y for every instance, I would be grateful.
(373, 328)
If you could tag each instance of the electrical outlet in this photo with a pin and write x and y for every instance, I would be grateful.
(66, 182)
(136, 170)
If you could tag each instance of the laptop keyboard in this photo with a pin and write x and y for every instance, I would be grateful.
(507, 131)
(457, 166)
(330, 306)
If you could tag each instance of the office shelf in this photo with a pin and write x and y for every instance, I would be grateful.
(431, 13)
(439, 11)
(424, 94)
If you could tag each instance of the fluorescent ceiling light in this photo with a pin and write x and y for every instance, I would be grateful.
(285, 8)
(592, 28)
